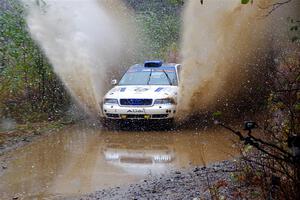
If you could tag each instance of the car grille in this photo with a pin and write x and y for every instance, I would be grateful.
(136, 102)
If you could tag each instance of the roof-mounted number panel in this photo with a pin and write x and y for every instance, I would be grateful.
(153, 63)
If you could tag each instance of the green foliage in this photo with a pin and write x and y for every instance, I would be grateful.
(294, 29)
(161, 30)
(160, 23)
(245, 1)
(217, 114)
(297, 107)
(29, 89)
(176, 2)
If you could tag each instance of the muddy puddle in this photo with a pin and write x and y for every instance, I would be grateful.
(81, 160)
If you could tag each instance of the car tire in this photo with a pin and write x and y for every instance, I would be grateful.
(170, 124)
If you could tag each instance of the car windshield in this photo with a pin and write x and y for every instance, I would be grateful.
(149, 77)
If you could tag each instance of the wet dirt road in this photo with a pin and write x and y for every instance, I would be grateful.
(81, 160)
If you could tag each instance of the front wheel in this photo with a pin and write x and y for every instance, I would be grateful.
(170, 124)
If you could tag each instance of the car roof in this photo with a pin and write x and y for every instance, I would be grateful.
(164, 66)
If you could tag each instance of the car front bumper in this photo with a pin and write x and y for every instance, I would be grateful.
(114, 111)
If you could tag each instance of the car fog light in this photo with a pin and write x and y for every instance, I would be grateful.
(123, 116)
(147, 116)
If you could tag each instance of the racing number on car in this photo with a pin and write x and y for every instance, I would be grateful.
(141, 89)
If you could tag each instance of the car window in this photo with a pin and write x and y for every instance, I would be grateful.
(160, 78)
(149, 77)
(135, 78)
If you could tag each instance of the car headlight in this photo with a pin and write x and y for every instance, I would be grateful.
(164, 101)
(110, 101)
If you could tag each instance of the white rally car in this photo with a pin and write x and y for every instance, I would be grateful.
(146, 91)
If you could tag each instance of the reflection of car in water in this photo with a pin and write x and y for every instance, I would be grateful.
(142, 155)
(147, 91)
(138, 154)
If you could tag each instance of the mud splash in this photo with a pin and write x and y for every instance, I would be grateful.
(226, 51)
(84, 41)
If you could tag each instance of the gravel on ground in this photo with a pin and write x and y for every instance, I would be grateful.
(211, 182)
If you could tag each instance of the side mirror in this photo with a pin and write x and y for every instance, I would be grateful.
(114, 82)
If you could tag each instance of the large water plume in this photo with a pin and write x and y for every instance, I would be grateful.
(225, 49)
(84, 40)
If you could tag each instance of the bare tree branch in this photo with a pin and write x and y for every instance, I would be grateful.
(274, 6)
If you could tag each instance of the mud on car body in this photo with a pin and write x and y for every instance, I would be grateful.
(146, 91)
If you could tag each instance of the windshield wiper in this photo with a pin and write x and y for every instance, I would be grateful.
(170, 82)
(149, 77)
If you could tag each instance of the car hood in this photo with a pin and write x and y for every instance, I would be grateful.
(147, 91)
